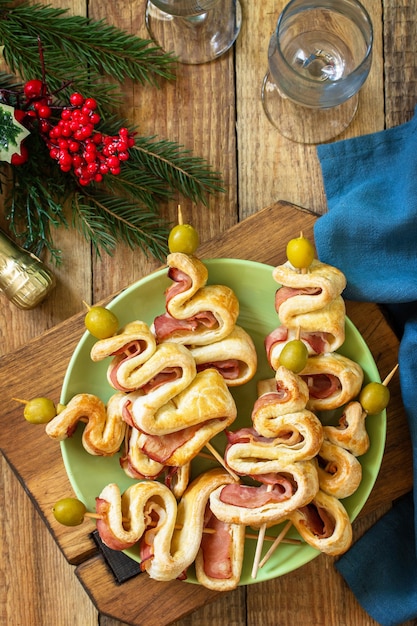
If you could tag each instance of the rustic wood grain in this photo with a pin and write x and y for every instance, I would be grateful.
(216, 111)
(35, 459)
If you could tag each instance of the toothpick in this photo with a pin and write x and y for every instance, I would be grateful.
(20, 400)
(259, 545)
(276, 543)
(180, 218)
(390, 375)
(207, 531)
(222, 462)
(204, 455)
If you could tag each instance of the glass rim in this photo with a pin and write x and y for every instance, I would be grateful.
(326, 4)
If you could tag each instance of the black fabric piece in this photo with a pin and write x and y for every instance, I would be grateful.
(122, 567)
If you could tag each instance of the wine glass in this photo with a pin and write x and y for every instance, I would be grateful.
(319, 57)
(196, 31)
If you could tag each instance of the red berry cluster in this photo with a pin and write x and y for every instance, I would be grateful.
(74, 141)
(76, 145)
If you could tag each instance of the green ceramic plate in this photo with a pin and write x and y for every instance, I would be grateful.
(255, 288)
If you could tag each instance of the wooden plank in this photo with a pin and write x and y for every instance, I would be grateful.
(35, 459)
(271, 166)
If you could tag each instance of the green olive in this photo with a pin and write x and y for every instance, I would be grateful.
(374, 398)
(294, 356)
(300, 252)
(69, 511)
(39, 411)
(183, 238)
(101, 322)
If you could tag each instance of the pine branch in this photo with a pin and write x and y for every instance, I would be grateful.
(87, 46)
(73, 55)
(178, 167)
(105, 219)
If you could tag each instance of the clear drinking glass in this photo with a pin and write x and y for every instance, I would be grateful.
(319, 57)
(196, 31)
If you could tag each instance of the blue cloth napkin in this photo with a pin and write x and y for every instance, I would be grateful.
(370, 233)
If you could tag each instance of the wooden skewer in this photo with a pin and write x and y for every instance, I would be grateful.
(207, 531)
(390, 375)
(277, 541)
(221, 461)
(20, 400)
(204, 455)
(180, 217)
(259, 544)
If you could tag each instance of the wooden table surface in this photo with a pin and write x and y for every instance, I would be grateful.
(214, 110)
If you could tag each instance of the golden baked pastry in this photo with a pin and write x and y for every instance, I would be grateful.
(340, 473)
(105, 429)
(170, 534)
(279, 413)
(301, 293)
(299, 438)
(205, 398)
(133, 341)
(332, 380)
(293, 486)
(234, 357)
(324, 524)
(321, 331)
(165, 373)
(196, 313)
(218, 565)
(135, 462)
(351, 432)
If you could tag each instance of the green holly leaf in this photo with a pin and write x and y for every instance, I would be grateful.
(12, 133)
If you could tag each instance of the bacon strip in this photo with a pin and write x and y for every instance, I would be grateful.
(322, 385)
(253, 497)
(318, 520)
(165, 325)
(229, 369)
(284, 293)
(103, 527)
(216, 548)
(182, 282)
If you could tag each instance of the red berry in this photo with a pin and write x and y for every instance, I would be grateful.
(44, 127)
(76, 99)
(19, 115)
(95, 118)
(90, 103)
(92, 168)
(65, 159)
(77, 161)
(33, 89)
(19, 159)
(90, 157)
(44, 111)
(113, 161)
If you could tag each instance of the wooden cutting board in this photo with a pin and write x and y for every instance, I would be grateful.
(39, 368)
